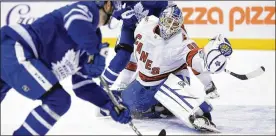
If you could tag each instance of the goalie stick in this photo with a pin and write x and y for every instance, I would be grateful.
(119, 107)
(247, 76)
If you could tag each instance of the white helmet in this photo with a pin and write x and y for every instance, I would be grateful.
(216, 53)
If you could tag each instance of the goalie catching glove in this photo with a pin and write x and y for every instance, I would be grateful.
(216, 53)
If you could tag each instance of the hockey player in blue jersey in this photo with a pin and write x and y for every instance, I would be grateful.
(65, 42)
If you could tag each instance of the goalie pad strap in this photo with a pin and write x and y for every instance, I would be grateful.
(183, 97)
(123, 46)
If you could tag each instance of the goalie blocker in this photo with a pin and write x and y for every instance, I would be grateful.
(175, 94)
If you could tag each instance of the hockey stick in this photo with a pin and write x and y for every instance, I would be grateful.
(119, 107)
(247, 76)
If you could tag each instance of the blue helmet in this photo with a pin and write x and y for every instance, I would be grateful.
(170, 21)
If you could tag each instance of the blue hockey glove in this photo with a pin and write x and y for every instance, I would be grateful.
(117, 95)
(121, 116)
(128, 16)
(96, 63)
(118, 13)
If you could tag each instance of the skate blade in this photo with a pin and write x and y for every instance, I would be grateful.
(209, 129)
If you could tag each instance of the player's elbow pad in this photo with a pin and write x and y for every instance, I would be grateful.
(125, 47)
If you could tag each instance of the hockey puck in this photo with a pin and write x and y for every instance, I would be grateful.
(162, 133)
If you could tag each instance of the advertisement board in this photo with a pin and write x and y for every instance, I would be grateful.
(248, 24)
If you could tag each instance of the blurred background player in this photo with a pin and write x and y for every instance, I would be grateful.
(162, 47)
(123, 62)
(132, 13)
(65, 42)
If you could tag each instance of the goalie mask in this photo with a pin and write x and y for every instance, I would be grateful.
(216, 53)
(170, 21)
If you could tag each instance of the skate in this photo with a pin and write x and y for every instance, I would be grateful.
(203, 124)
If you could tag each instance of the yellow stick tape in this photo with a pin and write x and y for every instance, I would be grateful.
(242, 44)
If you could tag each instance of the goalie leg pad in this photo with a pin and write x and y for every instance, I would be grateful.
(180, 101)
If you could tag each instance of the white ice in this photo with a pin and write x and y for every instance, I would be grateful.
(245, 107)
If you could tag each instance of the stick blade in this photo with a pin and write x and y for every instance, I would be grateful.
(256, 73)
(262, 67)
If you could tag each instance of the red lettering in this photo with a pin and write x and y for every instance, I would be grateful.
(144, 56)
(139, 47)
(155, 70)
(139, 36)
(148, 64)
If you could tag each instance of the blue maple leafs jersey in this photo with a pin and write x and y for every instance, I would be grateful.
(73, 27)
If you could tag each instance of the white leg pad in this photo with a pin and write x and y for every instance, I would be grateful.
(174, 107)
(177, 97)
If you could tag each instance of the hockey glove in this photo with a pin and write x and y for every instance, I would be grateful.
(96, 63)
(117, 95)
(128, 16)
(121, 116)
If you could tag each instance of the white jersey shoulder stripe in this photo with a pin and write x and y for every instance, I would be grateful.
(76, 17)
(83, 13)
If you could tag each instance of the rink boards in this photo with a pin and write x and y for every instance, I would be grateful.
(245, 107)
(249, 25)
(242, 44)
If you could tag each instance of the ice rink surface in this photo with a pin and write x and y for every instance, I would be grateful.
(245, 107)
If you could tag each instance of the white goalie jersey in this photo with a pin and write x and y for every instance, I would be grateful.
(157, 58)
